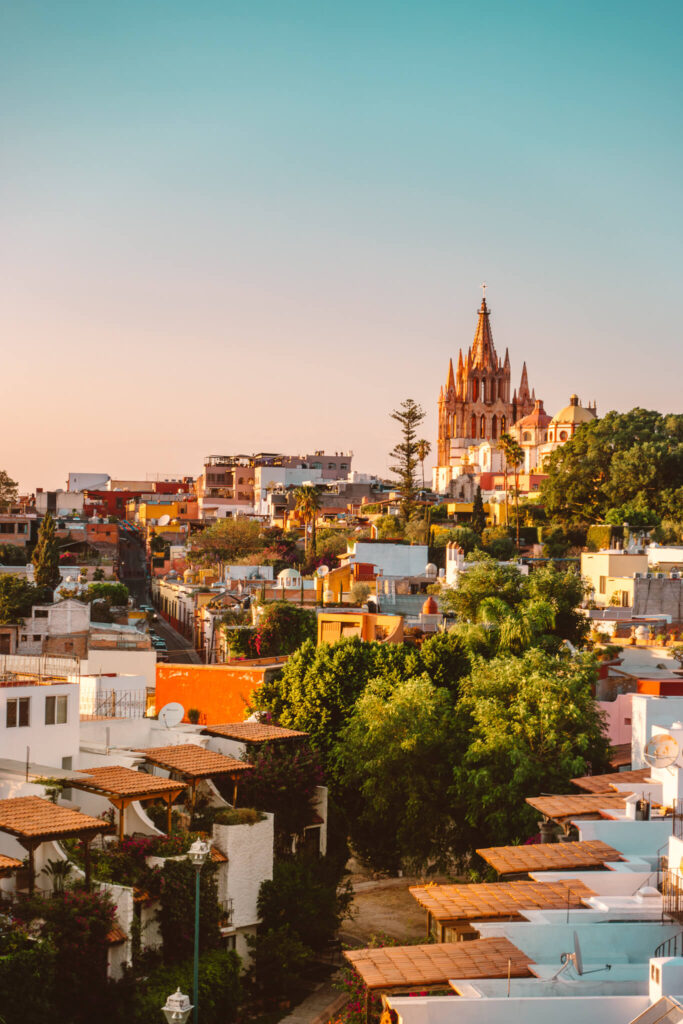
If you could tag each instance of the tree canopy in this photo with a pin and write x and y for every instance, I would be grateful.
(17, 597)
(406, 453)
(8, 491)
(225, 542)
(632, 460)
(46, 556)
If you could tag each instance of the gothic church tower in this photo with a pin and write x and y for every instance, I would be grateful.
(476, 404)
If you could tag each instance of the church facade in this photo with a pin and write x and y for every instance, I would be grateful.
(476, 406)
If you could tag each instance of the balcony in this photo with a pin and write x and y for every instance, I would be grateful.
(226, 912)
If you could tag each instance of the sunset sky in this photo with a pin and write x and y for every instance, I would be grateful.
(242, 226)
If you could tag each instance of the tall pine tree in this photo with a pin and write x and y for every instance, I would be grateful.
(45, 556)
(406, 454)
(478, 514)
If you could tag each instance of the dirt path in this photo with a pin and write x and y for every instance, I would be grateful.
(385, 907)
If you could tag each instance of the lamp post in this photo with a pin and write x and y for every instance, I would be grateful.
(177, 1008)
(197, 853)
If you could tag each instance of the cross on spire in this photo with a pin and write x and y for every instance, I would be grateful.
(483, 289)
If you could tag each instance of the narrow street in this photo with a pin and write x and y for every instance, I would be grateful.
(180, 650)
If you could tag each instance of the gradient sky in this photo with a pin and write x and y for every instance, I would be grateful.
(241, 226)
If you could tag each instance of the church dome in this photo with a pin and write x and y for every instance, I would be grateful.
(574, 413)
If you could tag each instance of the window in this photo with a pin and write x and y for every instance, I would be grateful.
(40, 613)
(563, 435)
(55, 710)
(330, 465)
(343, 465)
(503, 425)
(37, 637)
(18, 711)
(22, 527)
(24, 637)
(603, 585)
(494, 427)
(482, 427)
(473, 426)
(7, 528)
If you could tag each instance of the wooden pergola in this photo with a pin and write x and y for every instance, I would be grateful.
(121, 786)
(33, 821)
(192, 763)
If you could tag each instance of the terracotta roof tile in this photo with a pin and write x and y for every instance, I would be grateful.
(217, 856)
(511, 860)
(499, 899)
(621, 755)
(119, 781)
(576, 805)
(34, 817)
(252, 732)
(116, 934)
(603, 783)
(8, 863)
(411, 966)
(194, 761)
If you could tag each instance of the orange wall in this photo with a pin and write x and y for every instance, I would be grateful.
(221, 692)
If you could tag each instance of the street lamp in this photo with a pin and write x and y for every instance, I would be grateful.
(177, 1008)
(197, 853)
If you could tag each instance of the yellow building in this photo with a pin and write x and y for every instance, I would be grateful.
(337, 625)
(611, 575)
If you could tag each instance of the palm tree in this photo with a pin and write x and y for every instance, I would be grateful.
(307, 504)
(513, 453)
(423, 450)
(514, 630)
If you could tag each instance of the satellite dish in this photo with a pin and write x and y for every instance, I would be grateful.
(164, 520)
(172, 714)
(322, 571)
(661, 751)
(578, 959)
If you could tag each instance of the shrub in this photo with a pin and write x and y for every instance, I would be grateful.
(279, 958)
(138, 1001)
(176, 916)
(359, 593)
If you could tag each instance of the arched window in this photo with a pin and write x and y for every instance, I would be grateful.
(494, 427)
(502, 424)
(473, 426)
(483, 391)
(475, 389)
(482, 427)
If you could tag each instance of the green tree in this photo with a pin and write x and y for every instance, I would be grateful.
(423, 450)
(8, 491)
(406, 453)
(304, 894)
(623, 457)
(17, 597)
(307, 499)
(46, 556)
(478, 514)
(225, 542)
(484, 579)
(534, 726)
(176, 913)
(283, 627)
(10, 554)
(282, 781)
(389, 527)
(396, 758)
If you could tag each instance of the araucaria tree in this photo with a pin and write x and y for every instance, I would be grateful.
(46, 556)
(478, 514)
(406, 454)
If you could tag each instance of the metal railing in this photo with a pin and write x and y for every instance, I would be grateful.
(672, 895)
(227, 909)
(115, 704)
(670, 947)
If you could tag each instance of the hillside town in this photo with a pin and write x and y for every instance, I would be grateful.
(284, 741)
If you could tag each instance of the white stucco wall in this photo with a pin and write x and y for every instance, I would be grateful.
(249, 849)
(122, 663)
(48, 743)
(393, 559)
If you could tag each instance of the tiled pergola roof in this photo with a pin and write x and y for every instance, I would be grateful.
(498, 899)
(401, 967)
(253, 732)
(192, 761)
(576, 805)
(517, 860)
(121, 786)
(605, 783)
